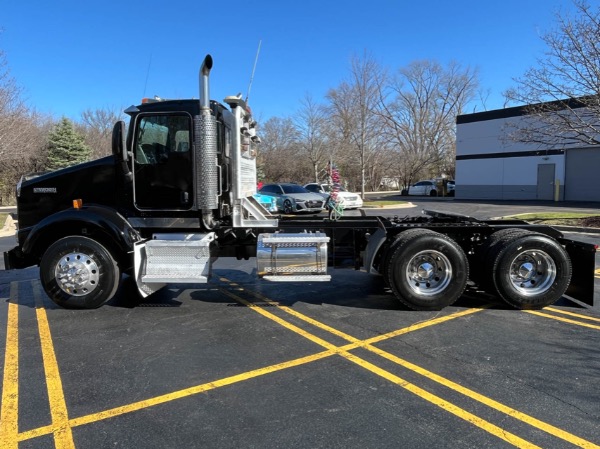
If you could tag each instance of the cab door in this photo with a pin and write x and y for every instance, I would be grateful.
(163, 174)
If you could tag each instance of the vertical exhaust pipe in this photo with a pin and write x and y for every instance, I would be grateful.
(205, 131)
(204, 92)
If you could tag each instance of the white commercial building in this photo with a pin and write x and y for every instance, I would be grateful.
(491, 166)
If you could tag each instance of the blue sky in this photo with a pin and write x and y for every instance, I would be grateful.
(72, 55)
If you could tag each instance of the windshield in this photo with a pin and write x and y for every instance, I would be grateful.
(293, 189)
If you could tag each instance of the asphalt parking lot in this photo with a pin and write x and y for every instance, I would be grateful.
(245, 363)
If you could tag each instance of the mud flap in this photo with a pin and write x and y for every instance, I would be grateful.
(583, 262)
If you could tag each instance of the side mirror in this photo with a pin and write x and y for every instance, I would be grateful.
(118, 141)
(119, 149)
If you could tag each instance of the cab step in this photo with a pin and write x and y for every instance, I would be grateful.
(178, 258)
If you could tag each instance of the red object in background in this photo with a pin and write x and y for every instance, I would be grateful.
(259, 185)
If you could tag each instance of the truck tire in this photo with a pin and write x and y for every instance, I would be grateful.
(78, 272)
(528, 270)
(426, 270)
(488, 252)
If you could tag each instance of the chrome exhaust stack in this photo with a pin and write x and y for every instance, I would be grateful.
(204, 92)
(207, 169)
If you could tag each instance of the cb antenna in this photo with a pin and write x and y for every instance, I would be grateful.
(253, 70)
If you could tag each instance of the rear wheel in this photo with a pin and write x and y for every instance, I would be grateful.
(78, 272)
(433, 193)
(426, 270)
(528, 270)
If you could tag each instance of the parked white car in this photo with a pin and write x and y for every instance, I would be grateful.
(347, 199)
(423, 188)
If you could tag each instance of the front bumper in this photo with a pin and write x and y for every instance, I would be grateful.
(351, 204)
(14, 259)
(309, 206)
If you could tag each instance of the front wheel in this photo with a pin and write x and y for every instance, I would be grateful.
(287, 207)
(78, 272)
(426, 270)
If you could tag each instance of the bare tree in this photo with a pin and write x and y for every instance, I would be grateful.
(96, 127)
(278, 156)
(420, 118)
(23, 134)
(310, 123)
(562, 94)
(353, 107)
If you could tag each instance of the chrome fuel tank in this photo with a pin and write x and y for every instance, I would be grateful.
(292, 257)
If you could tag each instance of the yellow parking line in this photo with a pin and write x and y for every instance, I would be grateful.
(386, 336)
(442, 403)
(548, 428)
(63, 436)
(9, 413)
(117, 411)
(564, 312)
(436, 400)
(331, 350)
(564, 320)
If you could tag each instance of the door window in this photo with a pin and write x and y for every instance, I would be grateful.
(163, 169)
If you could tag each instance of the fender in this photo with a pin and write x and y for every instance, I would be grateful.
(375, 242)
(87, 221)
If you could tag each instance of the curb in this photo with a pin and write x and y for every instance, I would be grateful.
(564, 228)
(392, 206)
(576, 229)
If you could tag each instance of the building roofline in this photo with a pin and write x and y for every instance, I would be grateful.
(518, 111)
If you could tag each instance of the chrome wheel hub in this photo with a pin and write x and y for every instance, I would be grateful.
(77, 274)
(428, 273)
(532, 272)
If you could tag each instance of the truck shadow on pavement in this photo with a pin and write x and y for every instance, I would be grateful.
(347, 289)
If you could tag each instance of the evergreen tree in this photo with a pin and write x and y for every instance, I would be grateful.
(66, 147)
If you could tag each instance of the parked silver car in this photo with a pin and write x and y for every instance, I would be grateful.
(293, 198)
(347, 199)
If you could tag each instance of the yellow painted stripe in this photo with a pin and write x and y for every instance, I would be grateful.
(548, 428)
(197, 389)
(378, 338)
(487, 426)
(564, 320)
(9, 413)
(436, 400)
(282, 322)
(63, 436)
(117, 411)
(577, 315)
(200, 388)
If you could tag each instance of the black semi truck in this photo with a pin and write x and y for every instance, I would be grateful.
(177, 193)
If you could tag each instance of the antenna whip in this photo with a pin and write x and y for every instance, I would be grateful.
(253, 70)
